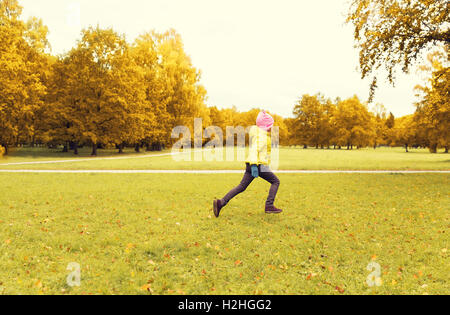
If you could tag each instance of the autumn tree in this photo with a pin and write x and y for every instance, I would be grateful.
(21, 69)
(389, 125)
(39, 61)
(217, 117)
(354, 124)
(433, 110)
(102, 100)
(221, 118)
(146, 56)
(379, 118)
(224, 118)
(390, 121)
(394, 33)
(313, 120)
(182, 94)
(290, 124)
(404, 132)
(59, 108)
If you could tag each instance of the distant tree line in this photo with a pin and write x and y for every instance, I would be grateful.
(107, 92)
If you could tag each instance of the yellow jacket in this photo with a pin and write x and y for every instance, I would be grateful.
(260, 146)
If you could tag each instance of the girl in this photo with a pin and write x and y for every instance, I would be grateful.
(257, 165)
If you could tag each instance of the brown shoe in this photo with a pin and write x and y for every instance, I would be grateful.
(273, 210)
(217, 207)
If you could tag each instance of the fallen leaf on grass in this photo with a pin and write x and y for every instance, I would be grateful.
(271, 267)
(130, 247)
(147, 288)
(310, 276)
(340, 290)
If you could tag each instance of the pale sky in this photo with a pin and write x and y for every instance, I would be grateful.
(252, 53)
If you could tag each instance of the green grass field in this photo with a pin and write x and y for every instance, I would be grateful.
(290, 159)
(156, 234)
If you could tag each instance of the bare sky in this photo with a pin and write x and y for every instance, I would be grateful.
(252, 53)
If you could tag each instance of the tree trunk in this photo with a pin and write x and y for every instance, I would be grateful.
(75, 148)
(137, 148)
(156, 146)
(121, 148)
(446, 150)
(433, 148)
(94, 149)
(406, 147)
(66, 148)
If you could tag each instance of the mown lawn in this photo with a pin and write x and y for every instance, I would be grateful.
(155, 234)
(290, 159)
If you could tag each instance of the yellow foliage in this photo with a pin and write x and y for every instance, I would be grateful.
(433, 110)
(106, 91)
(392, 34)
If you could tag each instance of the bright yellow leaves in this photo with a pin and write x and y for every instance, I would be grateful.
(431, 118)
(114, 93)
(22, 64)
(392, 34)
(104, 91)
(102, 96)
(109, 92)
(320, 122)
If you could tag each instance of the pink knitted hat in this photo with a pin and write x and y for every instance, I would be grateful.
(264, 121)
